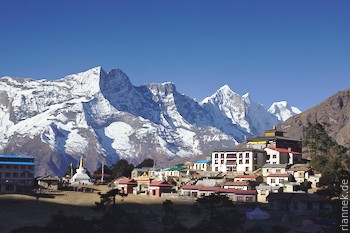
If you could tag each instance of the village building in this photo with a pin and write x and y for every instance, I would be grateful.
(235, 195)
(157, 188)
(127, 186)
(268, 169)
(314, 179)
(277, 179)
(310, 204)
(282, 156)
(203, 165)
(48, 182)
(143, 182)
(238, 160)
(241, 185)
(263, 191)
(274, 139)
(300, 173)
(16, 173)
(299, 203)
(253, 178)
(136, 172)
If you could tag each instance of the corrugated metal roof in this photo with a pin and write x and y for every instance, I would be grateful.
(17, 163)
(17, 156)
(203, 161)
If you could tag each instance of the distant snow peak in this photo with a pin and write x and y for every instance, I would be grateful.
(282, 110)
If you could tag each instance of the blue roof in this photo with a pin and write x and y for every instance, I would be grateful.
(16, 156)
(17, 163)
(203, 161)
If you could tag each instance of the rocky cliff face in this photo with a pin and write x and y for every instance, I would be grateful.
(334, 112)
(103, 117)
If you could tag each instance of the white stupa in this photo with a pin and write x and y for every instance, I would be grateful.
(81, 177)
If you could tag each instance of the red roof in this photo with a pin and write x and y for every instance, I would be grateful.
(236, 183)
(219, 190)
(128, 181)
(213, 189)
(239, 191)
(284, 150)
(161, 184)
(191, 187)
(246, 176)
(278, 175)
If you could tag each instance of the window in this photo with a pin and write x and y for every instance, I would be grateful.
(240, 162)
(0, 174)
(15, 175)
(278, 170)
(274, 156)
(216, 169)
(249, 199)
(222, 156)
(273, 181)
(240, 155)
(222, 161)
(216, 156)
(15, 167)
(247, 161)
(247, 155)
(215, 161)
(247, 169)
(8, 167)
(240, 199)
(7, 174)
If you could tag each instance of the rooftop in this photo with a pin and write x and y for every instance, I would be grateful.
(17, 156)
(203, 161)
(268, 165)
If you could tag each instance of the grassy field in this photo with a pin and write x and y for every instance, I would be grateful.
(18, 210)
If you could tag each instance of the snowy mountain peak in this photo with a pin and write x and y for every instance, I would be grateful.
(282, 110)
(103, 117)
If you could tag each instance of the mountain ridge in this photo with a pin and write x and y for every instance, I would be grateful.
(102, 117)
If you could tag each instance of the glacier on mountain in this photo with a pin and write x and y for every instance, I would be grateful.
(103, 117)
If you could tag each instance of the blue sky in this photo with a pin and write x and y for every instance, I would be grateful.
(297, 50)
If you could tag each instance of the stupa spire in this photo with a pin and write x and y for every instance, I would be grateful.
(81, 163)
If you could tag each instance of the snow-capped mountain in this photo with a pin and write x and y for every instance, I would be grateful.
(282, 110)
(248, 117)
(103, 117)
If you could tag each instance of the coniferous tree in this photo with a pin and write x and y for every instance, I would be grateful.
(122, 168)
(327, 157)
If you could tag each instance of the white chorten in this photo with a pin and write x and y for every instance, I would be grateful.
(81, 177)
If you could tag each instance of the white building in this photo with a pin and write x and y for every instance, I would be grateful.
(268, 169)
(204, 165)
(277, 179)
(282, 156)
(238, 160)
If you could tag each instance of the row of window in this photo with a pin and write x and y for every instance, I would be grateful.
(16, 167)
(233, 162)
(231, 155)
(16, 175)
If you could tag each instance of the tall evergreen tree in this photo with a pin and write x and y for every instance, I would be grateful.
(122, 168)
(327, 157)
